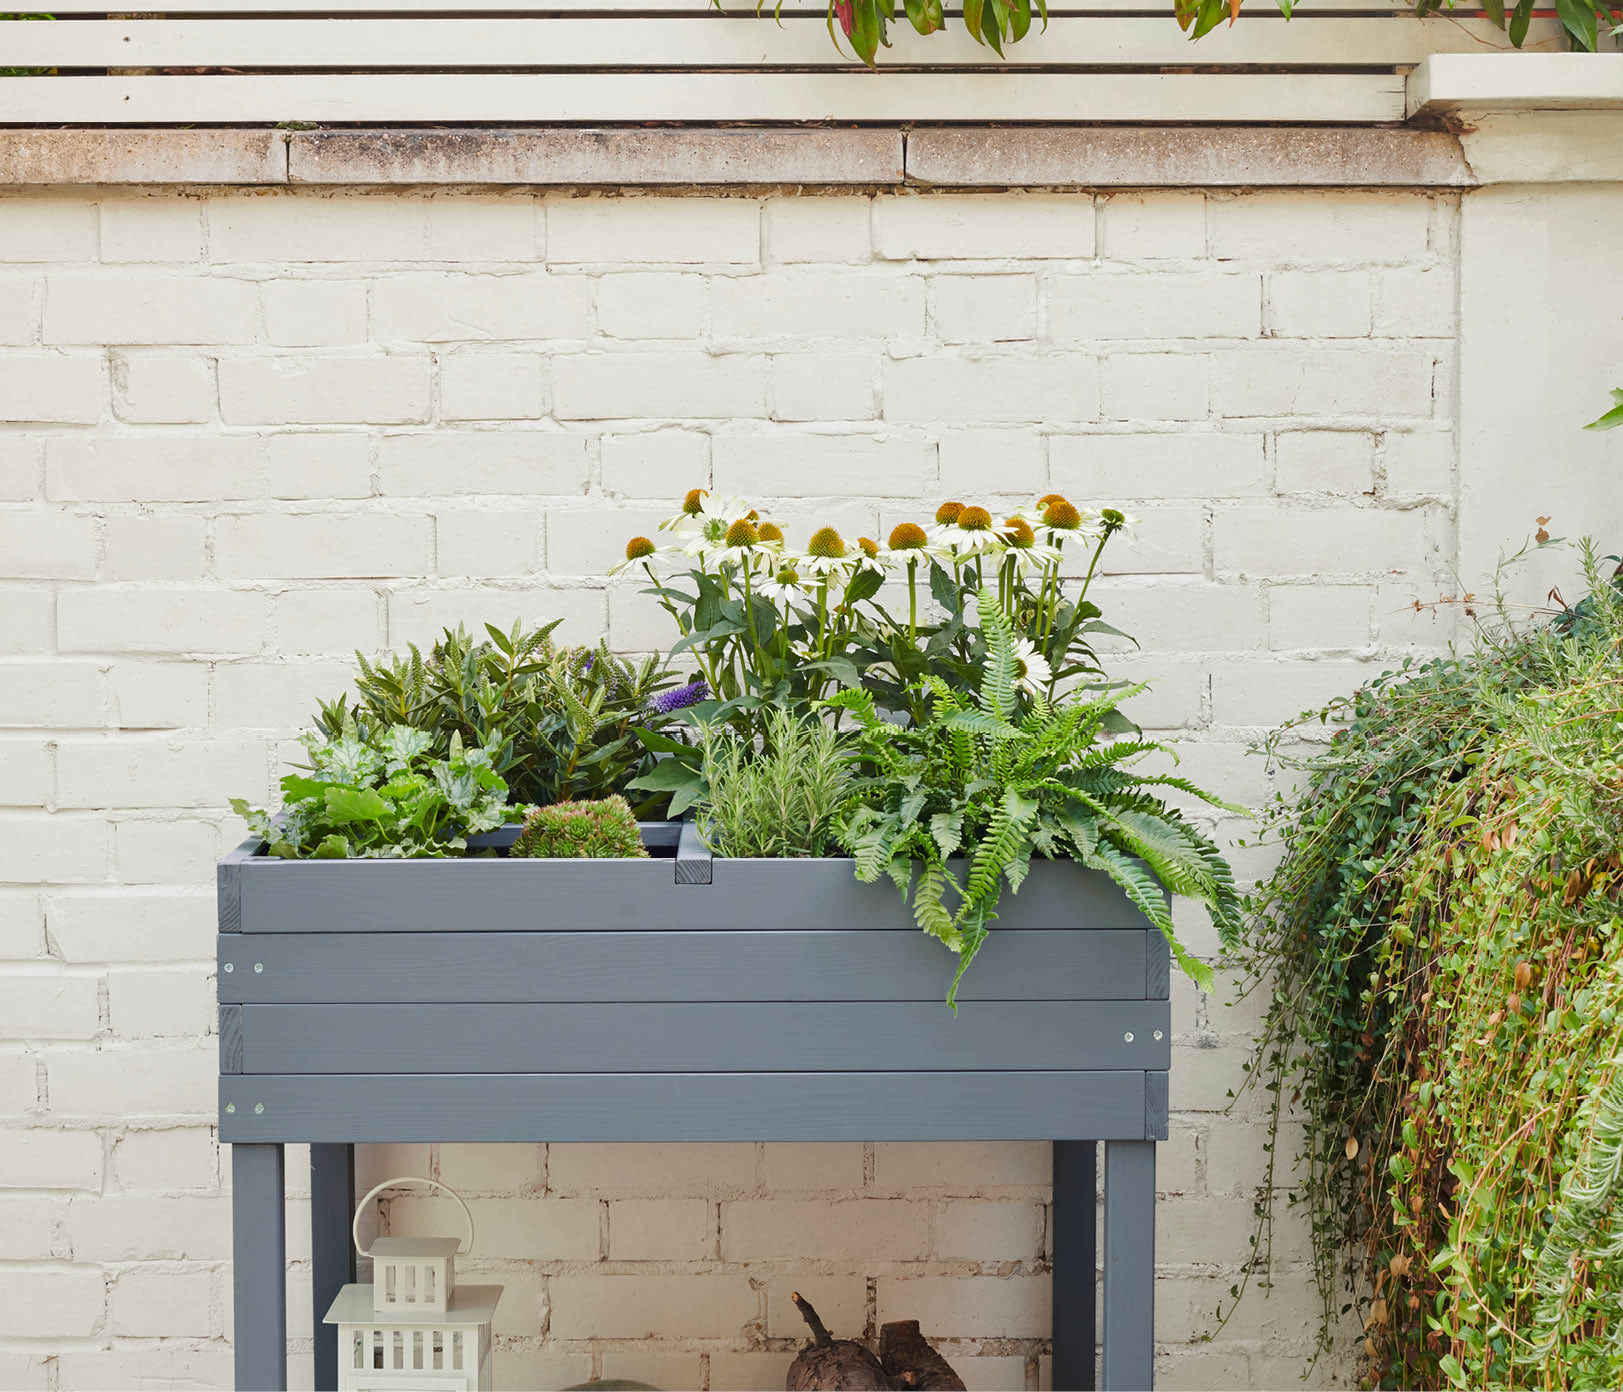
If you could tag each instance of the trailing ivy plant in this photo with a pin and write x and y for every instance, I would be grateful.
(992, 777)
(1443, 947)
(560, 720)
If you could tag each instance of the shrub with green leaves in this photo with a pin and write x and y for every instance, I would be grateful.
(980, 780)
(779, 800)
(383, 793)
(600, 830)
(561, 720)
(1442, 946)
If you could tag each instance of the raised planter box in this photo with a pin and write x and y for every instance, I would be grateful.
(680, 999)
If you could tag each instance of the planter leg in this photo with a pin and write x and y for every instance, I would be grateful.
(332, 1257)
(1075, 1253)
(259, 1267)
(1129, 1342)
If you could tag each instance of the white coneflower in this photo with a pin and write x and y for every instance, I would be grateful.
(639, 551)
(970, 536)
(699, 507)
(826, 554)
(1061, 517)
(740, 544)
(1029, 553)
(869, 556)
(1031, 670)
(709, 537)
(784, 585)
(1115, 522)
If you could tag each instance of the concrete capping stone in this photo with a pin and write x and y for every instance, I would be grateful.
(1186, 157)
(981, 157)
(207, 155)
(870, 157)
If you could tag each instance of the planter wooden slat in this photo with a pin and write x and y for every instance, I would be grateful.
(569, 896)
(335, 968)
(704, 1037)
(1095, 1105)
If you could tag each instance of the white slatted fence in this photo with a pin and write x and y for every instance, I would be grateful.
(596, 61)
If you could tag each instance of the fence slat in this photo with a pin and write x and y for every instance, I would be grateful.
(801, 41)
(1261, 9)
(839, 95)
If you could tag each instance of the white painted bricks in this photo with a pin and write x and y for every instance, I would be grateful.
(243, 435)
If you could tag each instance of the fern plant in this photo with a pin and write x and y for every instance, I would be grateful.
(991, 778)
(562, 720)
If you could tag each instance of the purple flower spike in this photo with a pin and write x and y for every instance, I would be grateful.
(675, 699)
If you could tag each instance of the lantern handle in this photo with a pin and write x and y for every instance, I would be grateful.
(376, 1189)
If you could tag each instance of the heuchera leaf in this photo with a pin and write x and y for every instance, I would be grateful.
(355, 805)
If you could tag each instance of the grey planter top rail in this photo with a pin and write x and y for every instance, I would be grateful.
(683, 999)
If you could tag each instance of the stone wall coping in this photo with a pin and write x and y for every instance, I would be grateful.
(980, 157)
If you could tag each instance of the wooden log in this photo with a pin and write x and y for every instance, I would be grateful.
(910, 1362)
(828, 1364)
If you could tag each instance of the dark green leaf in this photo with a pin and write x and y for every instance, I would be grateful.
(1579, 19)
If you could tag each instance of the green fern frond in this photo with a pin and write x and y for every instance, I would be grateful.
(997, 694)
(929, 912)
(1149, 898)
(1163, 846)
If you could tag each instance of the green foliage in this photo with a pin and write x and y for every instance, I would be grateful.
(561, 720)
(1613, 418)
(969, 794)
(383, 793)
(604, 829)
(865, 24)
(778, 801)
(1586, 21)
(772, 627)
(1441, 943)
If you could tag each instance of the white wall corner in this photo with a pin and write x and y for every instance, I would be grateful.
(1483, 82)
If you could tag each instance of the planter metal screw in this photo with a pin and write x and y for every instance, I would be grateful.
(229, 966)
(230, 1107)
(258, 968)
(1159, 1036)
(258, 1108)
(1128, 1037)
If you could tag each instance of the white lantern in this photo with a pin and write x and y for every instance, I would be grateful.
(414, 1329)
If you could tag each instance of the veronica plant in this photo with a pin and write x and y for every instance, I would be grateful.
(560, 720)
(773, 625)
(988, 780)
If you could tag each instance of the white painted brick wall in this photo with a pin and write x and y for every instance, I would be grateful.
(252, 433)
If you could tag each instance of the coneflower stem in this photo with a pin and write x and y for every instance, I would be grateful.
(749, 618)
(912, 601)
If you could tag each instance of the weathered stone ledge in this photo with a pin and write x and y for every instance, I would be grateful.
(876, 157)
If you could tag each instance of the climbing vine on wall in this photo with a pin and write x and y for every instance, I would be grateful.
(1442, 945)
(866, 24)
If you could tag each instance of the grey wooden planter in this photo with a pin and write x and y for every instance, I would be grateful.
(680, 999)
